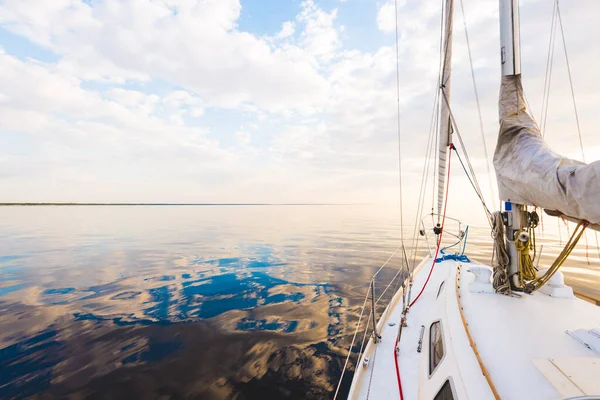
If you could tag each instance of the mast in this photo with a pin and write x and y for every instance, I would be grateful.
(510, 50)
(531, 174)
(510, 54)
(445, 122)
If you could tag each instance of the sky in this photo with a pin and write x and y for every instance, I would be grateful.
(277, 101)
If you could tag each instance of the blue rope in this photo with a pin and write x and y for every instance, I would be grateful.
(465, 240)
(455, 257)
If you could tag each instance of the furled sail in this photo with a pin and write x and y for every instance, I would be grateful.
(445, 122)
(530, 173)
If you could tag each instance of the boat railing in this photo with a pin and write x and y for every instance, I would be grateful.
(452, 226)
(454, 229)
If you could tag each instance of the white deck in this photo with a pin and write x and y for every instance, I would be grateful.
(522, 342)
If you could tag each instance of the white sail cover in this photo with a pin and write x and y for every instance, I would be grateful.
(530, 173)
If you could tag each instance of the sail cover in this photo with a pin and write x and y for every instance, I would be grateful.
(530, 173)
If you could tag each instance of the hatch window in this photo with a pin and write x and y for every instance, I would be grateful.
(440, 289)
(445, 392)
(436, 346)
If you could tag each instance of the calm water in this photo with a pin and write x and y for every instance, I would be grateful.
(201, 302)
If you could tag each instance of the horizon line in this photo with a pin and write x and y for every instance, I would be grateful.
(178, 204)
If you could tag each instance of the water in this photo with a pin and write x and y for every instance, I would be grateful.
(203, 302)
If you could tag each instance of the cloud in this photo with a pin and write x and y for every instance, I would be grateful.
(386, 21)
(178, 100)
(287, 29)
(320, 37)
(189, 43)
(243, 137)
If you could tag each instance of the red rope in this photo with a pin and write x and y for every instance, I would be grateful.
(587, 254)
(441, 233)
(398, 369)
(430, 271)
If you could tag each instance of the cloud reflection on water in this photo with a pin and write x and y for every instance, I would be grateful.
(187, 301)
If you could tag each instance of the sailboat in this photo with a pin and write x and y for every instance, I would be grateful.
(459, 329)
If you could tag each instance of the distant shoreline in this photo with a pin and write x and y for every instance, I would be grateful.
(183, 204)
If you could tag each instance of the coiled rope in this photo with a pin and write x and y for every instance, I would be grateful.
(500, 258)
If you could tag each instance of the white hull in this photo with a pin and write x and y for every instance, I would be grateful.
(522, 342)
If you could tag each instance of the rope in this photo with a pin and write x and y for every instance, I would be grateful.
(441, 234)
(453, 257)
(500, 282)
(457, 256)
(587, 253)
(465, 240)
(526, 268)
(537, 283)
(398, 368)
(429, 275)
(429, 162)
(443, 250)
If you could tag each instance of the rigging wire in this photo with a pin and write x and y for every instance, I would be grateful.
(372, 370)
(562, 32)
(440, 238)
(398, 121)
(487, 211)
(443, 221)
(548, 76)
(482, 131)
(470, 166)
(386, 262)
(359, 320)
(430, 160)
(362, 344)
(388, 286)
(432, 141)
(352, 344)
(424, 178)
